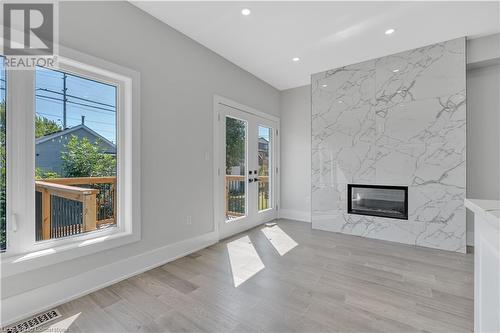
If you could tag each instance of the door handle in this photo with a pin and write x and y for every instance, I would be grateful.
(14, 222)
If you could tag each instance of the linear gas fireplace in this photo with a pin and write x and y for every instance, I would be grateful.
(376, 200)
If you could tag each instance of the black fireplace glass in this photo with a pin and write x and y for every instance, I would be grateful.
(378, 200)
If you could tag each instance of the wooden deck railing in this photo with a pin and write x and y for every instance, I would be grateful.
(264, 192)
(69, 206)
(235, 195)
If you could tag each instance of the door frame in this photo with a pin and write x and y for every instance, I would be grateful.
(217, 168)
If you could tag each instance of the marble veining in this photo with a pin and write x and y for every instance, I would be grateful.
(396, 120)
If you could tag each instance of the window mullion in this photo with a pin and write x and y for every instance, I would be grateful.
(21, 163)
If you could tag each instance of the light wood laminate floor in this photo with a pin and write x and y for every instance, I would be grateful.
(286, 277)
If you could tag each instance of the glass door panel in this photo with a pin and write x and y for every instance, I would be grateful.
(235, 175)
(264, 161)
(245, 182)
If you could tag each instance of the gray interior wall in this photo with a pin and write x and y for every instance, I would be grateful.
(483, 137)
(483, 169)
(178, 80)
(296, 150)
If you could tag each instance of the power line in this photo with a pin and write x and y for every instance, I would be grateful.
(76, 97)
(59, 101)
(72, 102)
(76, 103)
(65, 99)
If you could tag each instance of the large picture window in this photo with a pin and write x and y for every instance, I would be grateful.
(75, 154)
(71, 143)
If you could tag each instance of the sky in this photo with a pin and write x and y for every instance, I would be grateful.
(96, 101)
(264, 132)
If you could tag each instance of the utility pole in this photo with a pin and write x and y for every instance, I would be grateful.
(64, 101)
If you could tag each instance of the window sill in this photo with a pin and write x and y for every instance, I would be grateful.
(16, 264)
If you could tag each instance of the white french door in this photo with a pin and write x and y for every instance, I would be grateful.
(246, 165)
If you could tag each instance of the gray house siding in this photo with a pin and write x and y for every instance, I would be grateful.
(48, 152)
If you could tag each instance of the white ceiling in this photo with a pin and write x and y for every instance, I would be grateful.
(324, 35)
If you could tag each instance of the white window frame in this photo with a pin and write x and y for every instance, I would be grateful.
(23, 253)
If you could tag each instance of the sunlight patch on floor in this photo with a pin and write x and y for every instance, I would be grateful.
(63, 325)
(278, 238)
(244, 259)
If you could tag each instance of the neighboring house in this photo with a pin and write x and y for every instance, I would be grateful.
(263, 145)
(49, 148)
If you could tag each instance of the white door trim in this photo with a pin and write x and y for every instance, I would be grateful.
(217, 169)
(226, 101)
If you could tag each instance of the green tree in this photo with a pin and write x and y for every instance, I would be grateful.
(44, 126)
(81, 158)
(41, 174)
(235, 144)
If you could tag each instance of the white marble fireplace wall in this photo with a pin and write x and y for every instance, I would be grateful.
(396, 120)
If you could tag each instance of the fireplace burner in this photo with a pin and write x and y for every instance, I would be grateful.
(378, 200)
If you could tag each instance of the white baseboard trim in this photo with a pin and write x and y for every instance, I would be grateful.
(298, 215)
(32, 302)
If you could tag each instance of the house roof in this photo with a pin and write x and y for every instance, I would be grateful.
(71, 130)
(263, 140)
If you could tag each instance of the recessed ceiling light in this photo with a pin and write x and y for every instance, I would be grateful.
(341, 101)
(246, 11)
(324, 85)
(389, 31)
(395, 70)
(295, 59)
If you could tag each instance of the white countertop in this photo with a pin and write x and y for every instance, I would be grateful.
(490, 209)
